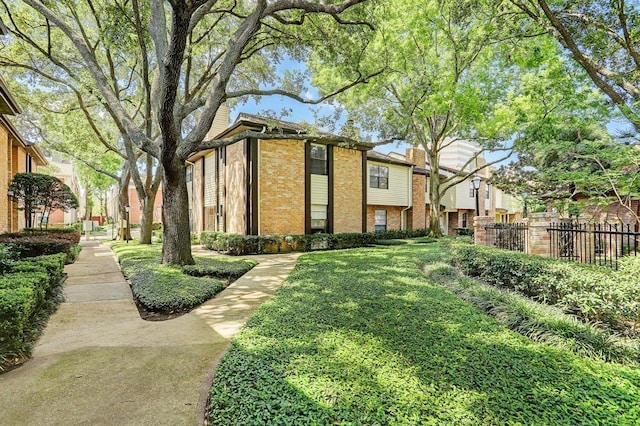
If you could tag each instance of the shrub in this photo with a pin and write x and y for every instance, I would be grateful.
(32, 243)
(540, 323)
(224, 269)
(236, 244)
(7, 257)
(52, 265)
(588, 291)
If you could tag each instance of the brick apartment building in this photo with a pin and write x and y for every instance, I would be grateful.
(292, 186)
(18, 156)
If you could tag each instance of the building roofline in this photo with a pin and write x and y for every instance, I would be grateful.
(33, 149)
(276, 126)
(8, 104)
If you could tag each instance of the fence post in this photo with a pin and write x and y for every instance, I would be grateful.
(537, 236)
(479, 231)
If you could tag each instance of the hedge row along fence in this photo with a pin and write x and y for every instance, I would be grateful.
(26, 287)
(594, 294)
(237, 245)
(33, 242)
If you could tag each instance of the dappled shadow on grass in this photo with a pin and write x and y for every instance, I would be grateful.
(362, 336)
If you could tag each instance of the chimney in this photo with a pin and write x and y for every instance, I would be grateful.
(417, 157)
(220, 122)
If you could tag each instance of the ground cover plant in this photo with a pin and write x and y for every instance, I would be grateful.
(164, 288)
(537, 321)
(365, 337)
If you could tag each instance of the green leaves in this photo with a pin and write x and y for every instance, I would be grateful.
(363, 337)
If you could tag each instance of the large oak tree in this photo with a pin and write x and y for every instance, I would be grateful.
(185, 58)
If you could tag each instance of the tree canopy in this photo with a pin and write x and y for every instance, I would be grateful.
(161, 70)
(603, 37)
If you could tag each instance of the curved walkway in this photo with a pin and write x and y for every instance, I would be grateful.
(98, 363)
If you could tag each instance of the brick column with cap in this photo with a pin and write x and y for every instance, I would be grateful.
(479, 231)
(537, 236)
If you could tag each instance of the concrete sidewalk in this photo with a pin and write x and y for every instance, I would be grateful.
(98, 363)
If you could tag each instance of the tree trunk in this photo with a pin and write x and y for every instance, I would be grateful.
(176, 232)
(146, 220)
(434, 204)
(123, 200)
(434, 189)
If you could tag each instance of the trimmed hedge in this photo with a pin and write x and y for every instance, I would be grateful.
(26, 298)
(224, 269)
(237, 244)
(32, 243)
(595, 294)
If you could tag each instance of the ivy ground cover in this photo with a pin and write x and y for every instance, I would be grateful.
(364, 337)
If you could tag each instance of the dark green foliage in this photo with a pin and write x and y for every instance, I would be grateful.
(164, 288)
(218, 268)
(540, 323)
(32, 243)
(41, 192)
(7, 257)
(463, 231)
(29, 293)
(364, 337)
(236, 244)
(595, 294)
(167, 288)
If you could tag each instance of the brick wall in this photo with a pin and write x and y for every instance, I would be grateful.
(5, 171)
(281, 187)
(416, 216)
(347, 190)
(235, 184)
(394, 217)
(612, 212)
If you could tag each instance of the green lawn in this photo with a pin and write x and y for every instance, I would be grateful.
(364, 337)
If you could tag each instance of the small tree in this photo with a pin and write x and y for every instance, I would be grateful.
(38, 192)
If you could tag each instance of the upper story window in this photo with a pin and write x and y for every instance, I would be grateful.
(472, 192)
(378, 177)
(189, 173)
(29, 164)
(319, 160)
(488, 192)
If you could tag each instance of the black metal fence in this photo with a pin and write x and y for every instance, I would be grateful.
(509, 236)
(594, 243)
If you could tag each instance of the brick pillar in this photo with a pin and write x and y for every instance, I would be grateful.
(479, 233)
(537, 236)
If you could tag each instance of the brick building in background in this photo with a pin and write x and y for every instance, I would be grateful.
(16, 156)
(269, 186)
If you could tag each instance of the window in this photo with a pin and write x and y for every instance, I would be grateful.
(319, 160)
(318, 218)
(28, 164)
(472, 192)
(189, 173)
(379, 177)
(488, 192)
(464, 220)
(380, 220)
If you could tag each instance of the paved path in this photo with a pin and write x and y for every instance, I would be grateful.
(98, 363)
